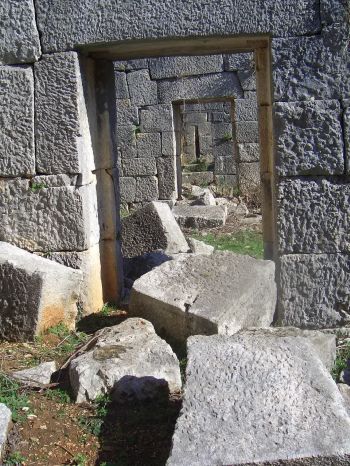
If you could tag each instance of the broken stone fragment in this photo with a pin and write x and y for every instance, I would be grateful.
(128, 361)
(200, 216)
(199, 247)
(35, 294)
(38, 375)
(205, 198)
(5, 424)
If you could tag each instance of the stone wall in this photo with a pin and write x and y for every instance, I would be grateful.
(48, 156)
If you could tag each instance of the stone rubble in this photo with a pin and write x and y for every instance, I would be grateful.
(38, 375)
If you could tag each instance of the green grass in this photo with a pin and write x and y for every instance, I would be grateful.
(246, 242)
(13, 396)
(15, 458)
(343, 354)
(93, 424)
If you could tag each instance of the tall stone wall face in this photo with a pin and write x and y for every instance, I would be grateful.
(48, 191)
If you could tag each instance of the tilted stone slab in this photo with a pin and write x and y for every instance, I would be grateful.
(36, 293)
(5, 425)
(199, 216)
(19, 38)
(150, 228)
(200, 294)
(259, 400)
(17, 152)
(315, 290)
(313, 216)
(173, 67)
(128, 360)
(309, 138)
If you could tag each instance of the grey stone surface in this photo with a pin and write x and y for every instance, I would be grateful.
(201, 178)
(247, 131)
(65, 24)
(227, 180)
(314, 290)
(249, 152)
(223, 148)
(313, 215)
(128, 65)
(139, 167)
(157, 118)
(126, 113)
(225, 84)
(121, 85)
(148, 144)
(345, 393)
(273, 393)
(36, 293)
(247, 78)
(194, 117)
(17, 152)
(63, 142)
(5, 425)
(166, 177)
(249, 176)
(173, 67)
(309, 138)
(238, 61)
(221, 131)
(200, 216)
(225, 165)
(38, 375)
(151, 228)
(346, 129)
(127, 189)
(146, 189)
(19, 41)
(126, 140)
(315, 66)
(53, 181)
(199, 247)
(199, 294)
(205, 198)
(142, 90)
(334, 11)
(246, 109)
(168, 143)
(129, 361)
(48, 219)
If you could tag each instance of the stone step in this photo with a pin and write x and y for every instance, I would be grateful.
(200, 216)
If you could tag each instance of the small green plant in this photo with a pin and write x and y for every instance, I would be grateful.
(136, 129)
(69, 339)
(36, 187)
(227, 137)
(58, 395)
(93, 424)
(15, 459)
(79, 459)
(108, 309)
(183, 365)
(343, 354)
(13, 396)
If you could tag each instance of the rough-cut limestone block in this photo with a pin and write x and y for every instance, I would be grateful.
(53, 181)
(17, 152)
(168, 143)
(48, 219)
(317, 66)
(146, 189)
(249, 152)
(222, 131)
(66, 24)
(89, 262)
(199, 216)
(227, 180)
(126, 140)
(121, 85)
(239, 61)
(148, 145)
(309, 138)
(127, 189)
(246, 110)
(346, 129)
(247, 78)
(225, 84)
(219, 117)
(198, 294)
(313, 216)
(63, 143)
(129, 361)
(334, 11)
(198, 178)
(315, 290)
(131, 65)
(167, 182)
(156, 118)
(126, 113)
(249, 176)
(222, 148)
(177, 67)
(151, 228)
(19, 38)
(194, 118)
(247, 131)
(204, 198)
(5, 425)
(225, 166)
(199, 247)
(139, 167)
(38, 375)
(272, 393)
(36, 293)
(142, 90)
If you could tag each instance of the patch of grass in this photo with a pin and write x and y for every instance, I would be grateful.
(108, 309)
(79, 459)
(69, 340)
(14, 396)
(36, 187)
(343, 354)
(227, 137)
(183, 365)
(15, 458)
(136, 129)
(93, 424)
(59, 395)
(246, 242)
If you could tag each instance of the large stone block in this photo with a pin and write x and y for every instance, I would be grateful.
(249, 152)
(168, 143)
(198, 178)
(177, 67)
(63, 143)
(225, 84)
(121, 85)
(127, 189)
(126, 113)
(313, 216)
(126, 140)
(142, 90)
(48, 219)
(315, 290)
(316, 66)
(225, 166)
(146, 189)
(239, 61)
(291, 414)
(151, 228)
(247, 131)
(66, 24)
(222, 131)
(246, 109)
(346, 129)
(139, 167)
(156, 118)
(223, 148)
(249, 177)
(199, 294)
(36, 293)
(19, 38)
(167, 181)
(17, 152)
(149, 144)
(199, 216)
(309, 138)
(131, 65)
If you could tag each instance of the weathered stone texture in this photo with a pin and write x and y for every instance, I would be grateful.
(249, 152)
(166, 170)
(173, 67)
(5, 425)
(309, 138)
(239, 61)
(139, 167)
(142, 90)
(246, 109)
(225, 166)
(148, 145)
(17, 154)
(346, 129)
(200, 217)
(127, 189)
(48, 219)
(247, 131)
(121, 85)
(19, 38)
(249, 176)
(314, 290)
(157, 118)
(146, 189)
(168, 143)
(272, 393)
(126, 113)
(37, 375)
(313, 216)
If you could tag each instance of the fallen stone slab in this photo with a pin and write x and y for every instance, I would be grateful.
(38, 375)
(198, 294)
(35, 293)
(257, 400)
(199, 247)
(5, 424)
(135, 267)
(151, 228)
(200, 216)
(128, 360)
(204, 198)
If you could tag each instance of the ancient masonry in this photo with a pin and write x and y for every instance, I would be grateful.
(59, 192)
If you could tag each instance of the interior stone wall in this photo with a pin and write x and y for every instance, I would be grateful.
(48, 168)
